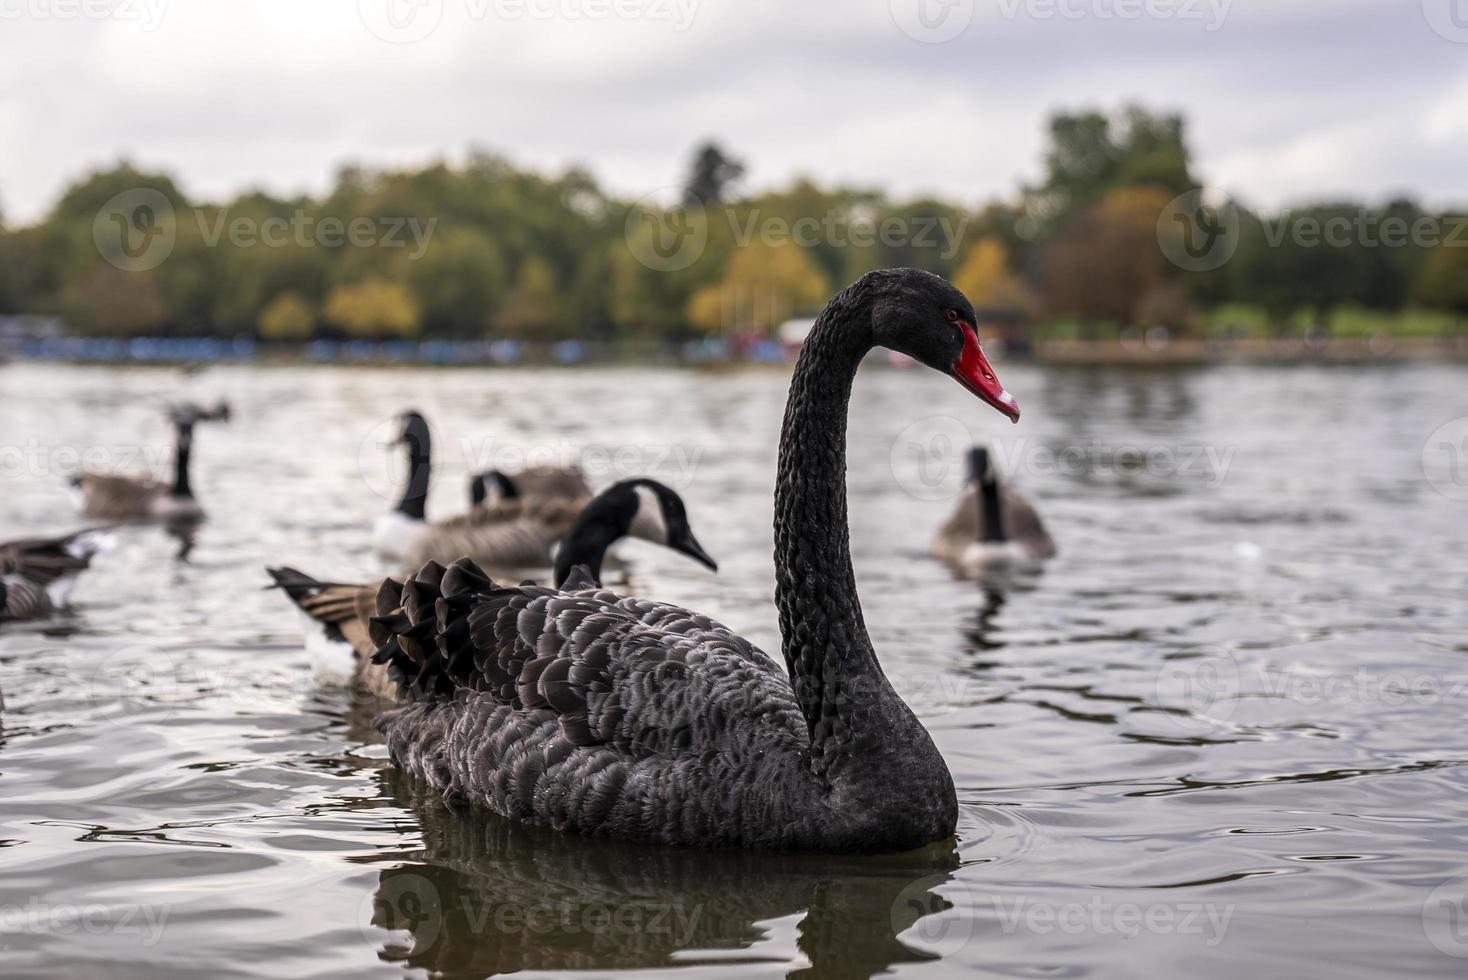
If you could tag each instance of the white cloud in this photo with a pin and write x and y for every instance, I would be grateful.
(1289, 99)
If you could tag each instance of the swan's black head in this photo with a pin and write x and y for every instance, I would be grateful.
(639, 508)
(925, 317)
(981, 466)
(491, 483)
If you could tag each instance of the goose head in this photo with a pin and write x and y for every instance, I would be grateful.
(981, 467)
(491, 486)
(925, 317)
(413, 433)
(640, 508)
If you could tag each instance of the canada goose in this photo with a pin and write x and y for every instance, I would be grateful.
(514, 533)
(564, 482)
(396, 531)
(405, 534)
(114, 497)
(38, 574)
(993, 524)
(564, 709)
(337, 615)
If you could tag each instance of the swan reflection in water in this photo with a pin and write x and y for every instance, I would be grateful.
(486, 896)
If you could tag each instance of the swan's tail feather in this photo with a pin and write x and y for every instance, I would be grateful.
(423, 633)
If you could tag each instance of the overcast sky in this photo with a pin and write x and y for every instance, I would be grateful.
(1287, 99)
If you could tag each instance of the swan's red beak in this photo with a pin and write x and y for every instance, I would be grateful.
(973, 372)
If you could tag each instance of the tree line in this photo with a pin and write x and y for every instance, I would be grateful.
(486, 249)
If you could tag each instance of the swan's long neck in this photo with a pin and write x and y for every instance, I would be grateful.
(181, 451)
(832, 665)
(415, 494)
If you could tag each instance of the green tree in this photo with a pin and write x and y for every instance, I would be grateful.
(287, 317)
(373, 308)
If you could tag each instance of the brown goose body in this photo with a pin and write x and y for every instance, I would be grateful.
(508, 535)
(37, 574)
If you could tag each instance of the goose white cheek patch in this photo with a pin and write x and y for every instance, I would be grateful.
(649, 523)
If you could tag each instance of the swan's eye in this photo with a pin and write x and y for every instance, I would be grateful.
(952, 316)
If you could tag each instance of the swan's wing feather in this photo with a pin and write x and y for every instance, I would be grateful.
(607, 678)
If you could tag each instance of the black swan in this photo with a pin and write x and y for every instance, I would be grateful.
(38, 574)
(568, 710)
(337, 614)
(114, 497)
(993, 525)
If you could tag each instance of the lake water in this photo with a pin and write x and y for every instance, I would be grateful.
(1222, 736)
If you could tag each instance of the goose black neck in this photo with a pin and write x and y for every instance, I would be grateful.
(182, 448)
(833, 668)
(586, 544)
(991, 527)
(415, 493)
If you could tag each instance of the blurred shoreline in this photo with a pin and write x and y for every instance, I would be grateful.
(205, 351)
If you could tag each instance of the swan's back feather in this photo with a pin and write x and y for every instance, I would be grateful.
(565, 708)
